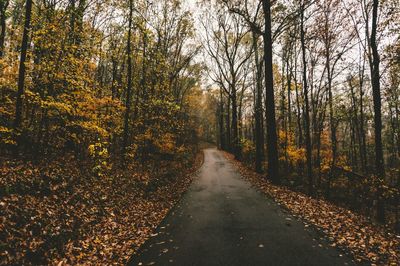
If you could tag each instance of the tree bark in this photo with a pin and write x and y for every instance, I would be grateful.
(376, 93)
(272, 139)
(363, 147)
(307, 107)
(3, 9)
(259, 136)
(221, 122)
(228, 125)
(22, 67)
(235, 132)
(129, 87)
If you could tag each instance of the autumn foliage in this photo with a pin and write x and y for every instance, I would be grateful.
(103, 104)
(73, 189)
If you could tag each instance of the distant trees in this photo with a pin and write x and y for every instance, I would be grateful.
(331, 116)
(244, 14)
(228, 43)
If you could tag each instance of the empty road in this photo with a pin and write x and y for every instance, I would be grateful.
(222, 220)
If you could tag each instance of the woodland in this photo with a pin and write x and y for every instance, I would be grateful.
(105, 106)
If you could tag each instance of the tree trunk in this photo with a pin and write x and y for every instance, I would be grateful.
(289, 70)
(376, 93)
(129, 88)
(235, 136)
(3, 8)
(363, 147)
(259, 136)
(228, 125)
(272, 139)
(356, 122)
(298, 107)
(22, 68)
(221, 122)
(331, 117)
(307, 107)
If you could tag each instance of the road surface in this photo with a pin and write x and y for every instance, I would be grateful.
(222, 220)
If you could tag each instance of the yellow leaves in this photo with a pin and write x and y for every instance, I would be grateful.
(92, 149)
(166, 143)
(8, 72)
(99, 153)
(4, 130)
(6, 136)
(57, 107)
(297, 154)
(294, 153)
(247, 146)
(93, 128)
(97, 240)
(148, 134)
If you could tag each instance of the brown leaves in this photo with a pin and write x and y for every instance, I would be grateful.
(80, 220)
(345, 229)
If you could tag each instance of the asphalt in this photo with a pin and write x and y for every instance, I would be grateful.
(222, 220)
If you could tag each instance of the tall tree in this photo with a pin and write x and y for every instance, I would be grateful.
(129, 78)
(306, 100)
(3, 8)
(272, 138)
(376, 94)
(22, 67)
(259, 136)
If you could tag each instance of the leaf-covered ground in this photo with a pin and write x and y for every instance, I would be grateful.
(53, 213)
(353, 233)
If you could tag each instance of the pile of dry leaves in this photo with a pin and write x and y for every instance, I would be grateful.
(367, 242)
(55, 213)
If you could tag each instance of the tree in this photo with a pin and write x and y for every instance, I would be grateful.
(3, 8)
(22, 67)
(376, 93)
(259, 136)
(306, 100)
(129, 77)
(272, 139)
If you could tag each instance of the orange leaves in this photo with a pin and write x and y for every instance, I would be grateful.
(7, 136)
(294, 154)
(166, 144)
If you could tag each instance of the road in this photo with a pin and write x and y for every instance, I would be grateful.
(222, 220)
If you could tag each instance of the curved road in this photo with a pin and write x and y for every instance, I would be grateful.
(222, 220)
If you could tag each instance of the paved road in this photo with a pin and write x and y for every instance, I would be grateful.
(222, 220)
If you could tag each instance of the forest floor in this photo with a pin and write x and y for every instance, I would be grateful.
(55, 212)
(222, 220)
(367, 242)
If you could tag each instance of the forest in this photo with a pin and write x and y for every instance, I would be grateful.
(109, 108)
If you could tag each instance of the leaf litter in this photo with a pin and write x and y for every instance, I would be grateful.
(346, 230)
